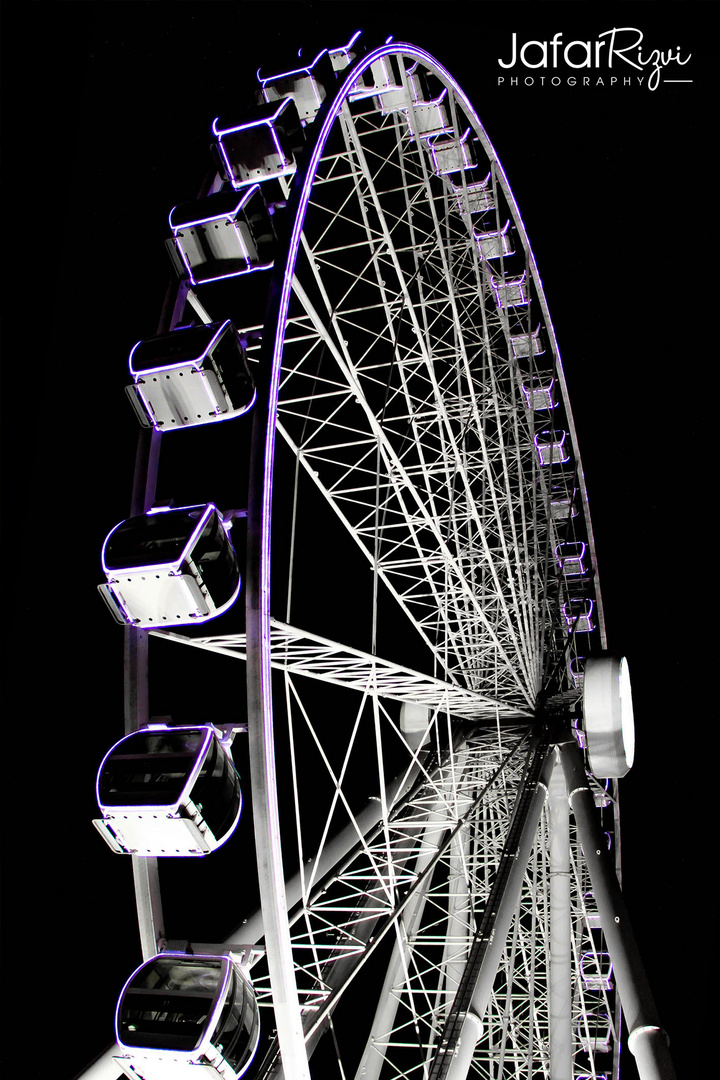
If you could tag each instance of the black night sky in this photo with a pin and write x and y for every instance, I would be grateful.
(107, 113)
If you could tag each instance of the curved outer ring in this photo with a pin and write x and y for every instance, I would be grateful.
(259, 687)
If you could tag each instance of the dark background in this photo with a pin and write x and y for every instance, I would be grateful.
(107, 112)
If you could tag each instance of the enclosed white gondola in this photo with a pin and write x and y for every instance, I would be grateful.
(193, 375)
(262, 144)
(181, 1015)
(451, 155)
(596, 970)
(477, 196)
(430, 116)
(168, 791)
(578, 613)
(226, 234)
(563, 507)
(305, 82)
(570, 558)
(594, 1027)
(496, 243)
(551, 447)
(527, 344)
(170, 566)
(539, 392)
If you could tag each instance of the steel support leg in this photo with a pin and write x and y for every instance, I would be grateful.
(511, 895)
(560, 988)
(647, 1040)
(451, 1062)
(470, 1036)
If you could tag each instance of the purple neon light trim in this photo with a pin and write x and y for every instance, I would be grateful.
(478, 185)
(245, 194)
(585, 613)
(209, 508)
(293, 71)
(226, 968)
(281, 106)
(239, 185)
(166, 807)
(344, 50)
(437, 140)
(553, 441)
(574, 544)
(197, 363)
(495, 234)
(433, 101)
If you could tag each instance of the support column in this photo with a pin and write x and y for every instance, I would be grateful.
(470, 1036)
(511, 895)
(560, 989)
(647, 1040)
(373, 1059)
(500, 908)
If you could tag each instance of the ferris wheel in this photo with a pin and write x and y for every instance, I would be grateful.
(434, 726)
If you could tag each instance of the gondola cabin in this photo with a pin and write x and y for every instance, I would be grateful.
(539, 392)
(496, 243)
(261, 145)
(596, 970)
(570, 558)
(187, 1016)
(306, 84)
(594, 1027)
(226, 234)
(578, 615)
(170, 567)
(300, 83)
(576, 671)
(450, 154)
(193, 375)
(551, 447)
(168, 791)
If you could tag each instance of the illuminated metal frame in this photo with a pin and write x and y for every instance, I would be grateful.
(259, 641)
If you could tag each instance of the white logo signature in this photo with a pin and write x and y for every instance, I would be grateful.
(621, 45)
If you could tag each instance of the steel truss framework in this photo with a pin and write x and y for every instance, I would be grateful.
(410, 368)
